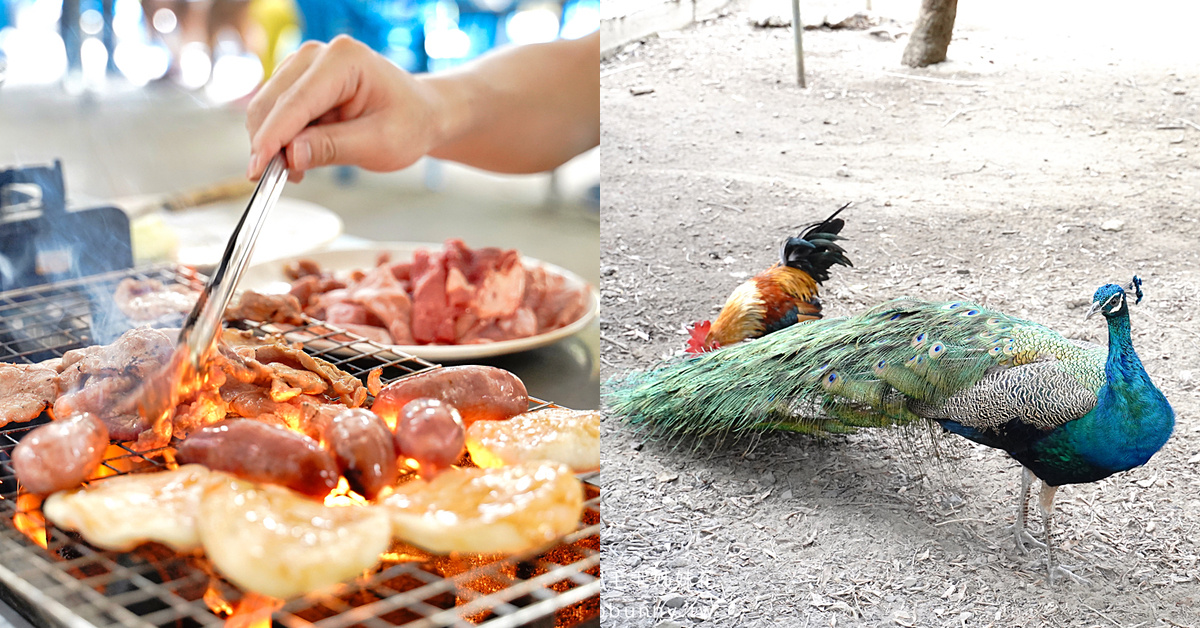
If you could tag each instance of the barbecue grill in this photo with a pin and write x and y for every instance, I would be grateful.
(54, 578)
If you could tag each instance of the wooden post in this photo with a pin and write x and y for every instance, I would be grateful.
(798, 28)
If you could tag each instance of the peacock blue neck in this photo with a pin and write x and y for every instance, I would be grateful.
(1131, 421)
(1123, 363)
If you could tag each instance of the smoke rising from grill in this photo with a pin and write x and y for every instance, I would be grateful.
(42, 242)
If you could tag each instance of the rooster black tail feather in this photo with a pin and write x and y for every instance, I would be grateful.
(816, 250)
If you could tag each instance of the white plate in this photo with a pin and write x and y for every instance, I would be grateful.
(293, 227)
(269, 278)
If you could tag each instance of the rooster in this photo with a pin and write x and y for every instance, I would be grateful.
(780, 296)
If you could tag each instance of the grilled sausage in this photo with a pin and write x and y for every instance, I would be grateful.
(60, 454)
(477, 392)
(430, 432)
(362, 445)
(260, 452)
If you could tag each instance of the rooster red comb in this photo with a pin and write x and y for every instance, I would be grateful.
(698, 342)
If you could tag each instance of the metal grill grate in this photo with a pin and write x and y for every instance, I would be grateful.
(69, 583)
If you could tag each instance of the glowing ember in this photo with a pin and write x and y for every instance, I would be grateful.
(343, 496)
(253, 611)
(116, 460)
(29, 519)
(119, 461)
(168, 456)
(404, 553)
(217, 602)
(485, 458)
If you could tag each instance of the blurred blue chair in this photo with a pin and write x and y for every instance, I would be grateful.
(362, 19)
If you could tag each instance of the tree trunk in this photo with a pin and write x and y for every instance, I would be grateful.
(931, 35)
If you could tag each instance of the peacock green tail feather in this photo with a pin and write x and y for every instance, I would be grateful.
(836, 375)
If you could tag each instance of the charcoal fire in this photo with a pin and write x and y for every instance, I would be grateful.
(29, 519)
(251, 611)
(195, 511)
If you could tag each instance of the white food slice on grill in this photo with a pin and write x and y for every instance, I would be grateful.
(274, 541)
(489, 511)
(571, 437)
(122, 512)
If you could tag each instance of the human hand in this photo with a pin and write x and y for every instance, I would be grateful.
(342, 103)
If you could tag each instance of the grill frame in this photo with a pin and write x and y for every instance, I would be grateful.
(74, 584)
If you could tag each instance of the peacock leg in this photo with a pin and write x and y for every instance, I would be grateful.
(1046, 505)
(1022, 535)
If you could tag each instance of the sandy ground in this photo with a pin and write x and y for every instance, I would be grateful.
(1029, 170)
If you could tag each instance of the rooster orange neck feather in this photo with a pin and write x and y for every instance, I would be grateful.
(767, 296)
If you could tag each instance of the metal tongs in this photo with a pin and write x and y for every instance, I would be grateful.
(204, 323)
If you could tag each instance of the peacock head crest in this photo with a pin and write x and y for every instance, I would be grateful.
(1135, 286)
(1110, 299)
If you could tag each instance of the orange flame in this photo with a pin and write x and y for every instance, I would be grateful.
(404, 553)
(341, 495)
(116, 460)
(161, 393)
(217, 602)
(389, 419)
(253, 611)
(29, 519)
(485, 459)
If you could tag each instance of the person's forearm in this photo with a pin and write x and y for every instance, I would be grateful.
(522, 109)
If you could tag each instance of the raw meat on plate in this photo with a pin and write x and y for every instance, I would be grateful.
(457, 295)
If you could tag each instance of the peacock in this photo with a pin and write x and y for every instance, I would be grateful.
(1069, 412)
